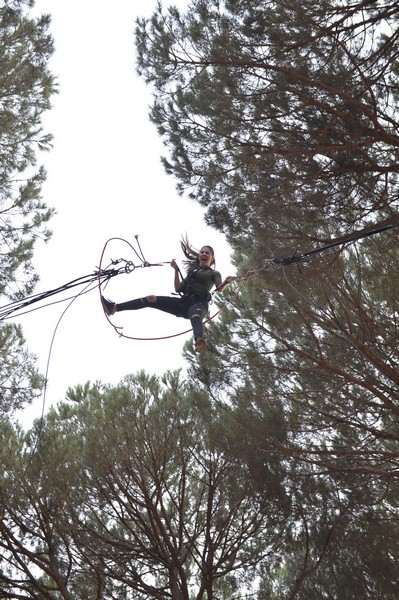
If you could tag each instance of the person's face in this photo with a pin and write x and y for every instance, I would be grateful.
(205, 257)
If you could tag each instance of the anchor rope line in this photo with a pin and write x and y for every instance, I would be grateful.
(100, 276)
(341, 241)
(16, 306)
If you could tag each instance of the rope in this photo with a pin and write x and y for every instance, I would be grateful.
(16, 306)
(40, 420)
(341, 241)
(100, 276)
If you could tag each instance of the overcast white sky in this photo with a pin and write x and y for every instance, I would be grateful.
(105, 180)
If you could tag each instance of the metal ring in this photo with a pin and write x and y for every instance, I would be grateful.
(129, 267)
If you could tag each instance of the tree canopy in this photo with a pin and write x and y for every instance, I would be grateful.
(147, 509)
(280, 119)
(26, 87)
(288, 111)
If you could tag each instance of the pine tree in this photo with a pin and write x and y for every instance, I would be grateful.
(126, 494)
(26, 87)
(280, 120)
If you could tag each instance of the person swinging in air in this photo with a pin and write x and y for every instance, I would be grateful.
(194, 291)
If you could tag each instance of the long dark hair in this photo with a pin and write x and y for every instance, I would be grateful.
(192, 255)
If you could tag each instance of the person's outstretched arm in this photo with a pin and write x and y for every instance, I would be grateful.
(229, 279)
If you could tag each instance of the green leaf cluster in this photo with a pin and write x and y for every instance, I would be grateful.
(281, 120)
(26, 87)
(123, 492)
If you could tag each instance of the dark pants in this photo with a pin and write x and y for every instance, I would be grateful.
(191, 308)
